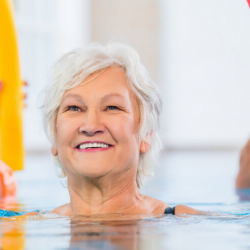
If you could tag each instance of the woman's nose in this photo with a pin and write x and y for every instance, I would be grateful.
(91, 124)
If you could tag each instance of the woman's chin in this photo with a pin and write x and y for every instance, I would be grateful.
(93, 173)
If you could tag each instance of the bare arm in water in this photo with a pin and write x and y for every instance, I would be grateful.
(243, 177)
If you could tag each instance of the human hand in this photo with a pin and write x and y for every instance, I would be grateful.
(4, 167)
(8, 186)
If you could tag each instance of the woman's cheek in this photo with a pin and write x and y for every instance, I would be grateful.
(122, 129)
(65, 130)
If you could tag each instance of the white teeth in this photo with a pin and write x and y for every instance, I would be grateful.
(93, 145)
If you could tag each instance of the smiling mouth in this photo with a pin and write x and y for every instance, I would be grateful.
(95, 145)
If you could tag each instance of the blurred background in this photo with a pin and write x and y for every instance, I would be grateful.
(198, 52)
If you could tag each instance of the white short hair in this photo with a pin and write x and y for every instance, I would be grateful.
(72, 68)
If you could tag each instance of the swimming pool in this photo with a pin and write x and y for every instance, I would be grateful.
(203, 180)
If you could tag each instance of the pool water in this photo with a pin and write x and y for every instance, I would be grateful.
(202, 180)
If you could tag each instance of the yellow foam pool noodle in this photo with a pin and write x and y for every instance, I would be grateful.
(11, 96)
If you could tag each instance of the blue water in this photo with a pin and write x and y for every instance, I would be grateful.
(203, 180)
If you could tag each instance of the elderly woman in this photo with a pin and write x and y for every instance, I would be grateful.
(101, 114)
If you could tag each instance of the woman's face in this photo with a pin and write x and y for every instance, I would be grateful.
(103, 111)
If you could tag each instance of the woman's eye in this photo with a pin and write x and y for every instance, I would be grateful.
(112, 108)
(73, 108)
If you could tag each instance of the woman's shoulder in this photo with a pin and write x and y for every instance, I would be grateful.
(154, 206)
(159, 207)
(62, 210)
(183, 209)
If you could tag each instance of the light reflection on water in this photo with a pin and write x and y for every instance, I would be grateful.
(203, 181)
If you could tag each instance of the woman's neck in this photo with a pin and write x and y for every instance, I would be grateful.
(104, 195)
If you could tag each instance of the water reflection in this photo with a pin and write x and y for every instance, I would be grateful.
(105, 234)
(12, 234)
(82, 232)
(243, 194)
(116, 231)
(12, 230)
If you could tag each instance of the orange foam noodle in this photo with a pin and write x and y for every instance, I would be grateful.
(11, 97)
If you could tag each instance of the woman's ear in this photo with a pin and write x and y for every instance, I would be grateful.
(54, 150)
(145, 144)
